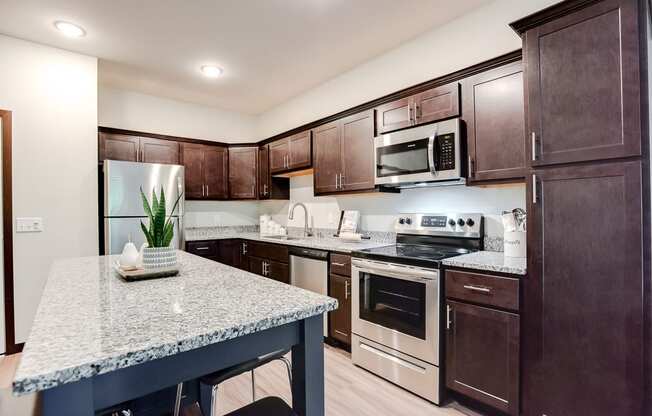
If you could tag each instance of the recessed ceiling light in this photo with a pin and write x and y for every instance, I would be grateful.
(69, 29)
(211, 71)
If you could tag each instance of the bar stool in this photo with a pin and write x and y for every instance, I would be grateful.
(268, 406)
(208, 384)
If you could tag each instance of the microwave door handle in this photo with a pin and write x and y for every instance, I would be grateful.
(432, 157)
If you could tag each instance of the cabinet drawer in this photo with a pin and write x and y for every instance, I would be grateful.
(341, 264)
(485, 289)
(268, 251)
(203, 248)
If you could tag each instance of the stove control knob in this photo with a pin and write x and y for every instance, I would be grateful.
(451, 222)
(408, 221)
(460, 222)
(470, 222)
(401, 221)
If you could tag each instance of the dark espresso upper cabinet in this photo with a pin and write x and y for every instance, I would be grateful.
(159, 151)
(426, 107)
(291, 153)
(270, 187)
(344, 154)
(583, 85)
(357, 155)
(584, 340)
(132, 148)
(493, 109)
(206, 171)
(243, 163)
(327, 161)
(118, 147)
(216, 172)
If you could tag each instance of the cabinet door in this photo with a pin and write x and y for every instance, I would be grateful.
(242, 172)
(119, 147)
(327, 148)
(493, 110)
(230, 253)
(583, 308)
(256, 265)
(482, 355)
(340, 319)
(278, 271)
(159, 151)
(395, 115)
(583, 85)
(437, 103)
(264, 177)
(278, 155)
(300, 154)
(192, 156)
(216, 173)
(358, 152)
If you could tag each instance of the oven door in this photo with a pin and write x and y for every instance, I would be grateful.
(397, 306)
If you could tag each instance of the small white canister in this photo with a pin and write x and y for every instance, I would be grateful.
(515, 243)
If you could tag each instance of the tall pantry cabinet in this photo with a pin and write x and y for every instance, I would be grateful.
(586, 314)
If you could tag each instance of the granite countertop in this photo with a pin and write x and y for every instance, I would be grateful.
(91, 322)
(323, 243)
(489, 260)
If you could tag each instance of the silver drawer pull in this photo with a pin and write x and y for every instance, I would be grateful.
(201, 248)
(337, 264)
(478, 288)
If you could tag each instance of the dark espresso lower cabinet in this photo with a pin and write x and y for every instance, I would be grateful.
(340, 319)
(482, 355)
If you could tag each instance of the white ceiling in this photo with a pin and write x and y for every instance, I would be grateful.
(271, 50)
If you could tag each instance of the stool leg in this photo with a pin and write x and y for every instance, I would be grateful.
(177, 401)
(213, 401)
(253, 385)
(207, 398)
(288, 366)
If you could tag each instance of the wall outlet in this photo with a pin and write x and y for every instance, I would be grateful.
(29, 225)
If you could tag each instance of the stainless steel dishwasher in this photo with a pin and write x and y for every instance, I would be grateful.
(309, 270)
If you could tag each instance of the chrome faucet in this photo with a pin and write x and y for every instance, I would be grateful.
(307, 231)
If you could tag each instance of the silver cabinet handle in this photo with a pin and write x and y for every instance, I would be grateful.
(206, 190)
(338, 264)
(478, 288)
(341, 181)
(410, 113)
(534, 146)
(417, 112)
(201, 248)
(336, 181)
(534, 189)
(471, 170)
(265, 268)
(264, 189)
(244, 248)
(346, 289)
(448, 317)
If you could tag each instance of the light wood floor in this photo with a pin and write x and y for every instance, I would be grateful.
(350, 391)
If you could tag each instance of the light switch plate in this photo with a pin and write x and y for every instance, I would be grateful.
(29, 225)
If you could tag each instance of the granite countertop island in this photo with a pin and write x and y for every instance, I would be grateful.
(322, 243)
(492, 261)
(91, 322)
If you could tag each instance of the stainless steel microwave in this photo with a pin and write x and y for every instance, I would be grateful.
(420, 155)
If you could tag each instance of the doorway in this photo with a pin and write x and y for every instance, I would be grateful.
(7, 330)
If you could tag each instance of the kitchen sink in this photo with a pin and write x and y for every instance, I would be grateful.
(282, 237)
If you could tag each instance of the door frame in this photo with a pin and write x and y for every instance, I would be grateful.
(7, 231)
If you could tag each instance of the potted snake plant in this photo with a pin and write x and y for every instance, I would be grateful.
(158, 253)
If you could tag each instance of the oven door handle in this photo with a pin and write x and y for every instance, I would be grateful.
(404, 273)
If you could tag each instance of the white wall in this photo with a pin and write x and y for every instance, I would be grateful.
(135, 111)
(468, 40)
(379, 211)
(53, 97)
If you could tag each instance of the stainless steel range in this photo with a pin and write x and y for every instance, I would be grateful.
(396, 298)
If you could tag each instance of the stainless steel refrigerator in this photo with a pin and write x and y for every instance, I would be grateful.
(123, 205)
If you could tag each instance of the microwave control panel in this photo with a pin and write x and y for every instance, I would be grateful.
(446, 151)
